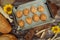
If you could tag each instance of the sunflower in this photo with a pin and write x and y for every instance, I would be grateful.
(56, 29)
(8, 8)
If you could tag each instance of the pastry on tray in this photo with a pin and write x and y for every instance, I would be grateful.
(7, 37)
(29, 20)
(19, 14)
(40, 8)
(33, 9)
(21, 23)
(5, 27)
(35, 17)
(43, 17)
(26, 11)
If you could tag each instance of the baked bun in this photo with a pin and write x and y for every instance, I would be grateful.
(26, 11)
(40, 8)
(21, 23)
(29, 20)
(19, 14)
(33, 9)
(43, 17)
(35, 17)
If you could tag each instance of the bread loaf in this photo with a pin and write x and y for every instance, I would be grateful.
(5, 27)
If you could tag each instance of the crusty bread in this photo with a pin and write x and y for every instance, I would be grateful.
(5, 27)
(7, 37)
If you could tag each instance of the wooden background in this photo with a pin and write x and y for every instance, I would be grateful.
(31, 32)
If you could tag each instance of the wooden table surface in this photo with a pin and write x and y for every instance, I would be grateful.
(31, 32)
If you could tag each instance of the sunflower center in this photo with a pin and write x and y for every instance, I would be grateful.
(8, 9)
(55, 29)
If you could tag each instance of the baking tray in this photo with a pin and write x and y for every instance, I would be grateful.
(35, 3)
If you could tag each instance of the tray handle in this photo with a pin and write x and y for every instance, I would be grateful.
(14, 9)
(50, 10)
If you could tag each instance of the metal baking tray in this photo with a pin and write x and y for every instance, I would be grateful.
(35, 3)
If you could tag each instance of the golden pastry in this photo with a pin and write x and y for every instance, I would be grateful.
(8, 37)
(4, 38)
(35, 17)
(19, 14)
(29, 20)
(26, 11)
(21, 23)
(33, 9)
(43, 17)
(5, 27)
(41, 8)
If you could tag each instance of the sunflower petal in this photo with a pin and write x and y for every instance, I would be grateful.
(10, 12)
(56, 29)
